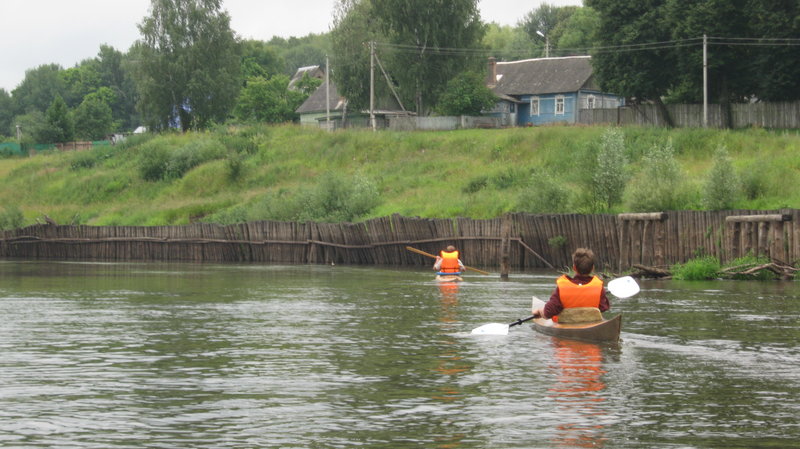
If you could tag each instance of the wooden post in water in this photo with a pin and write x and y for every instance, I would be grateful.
(505, 246)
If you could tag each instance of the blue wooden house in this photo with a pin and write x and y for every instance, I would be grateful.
(546, 90)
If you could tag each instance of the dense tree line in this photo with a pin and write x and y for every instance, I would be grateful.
(189, 69)
(653, 50)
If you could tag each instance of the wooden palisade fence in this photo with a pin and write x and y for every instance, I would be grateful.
(778, 115)
(516, 241)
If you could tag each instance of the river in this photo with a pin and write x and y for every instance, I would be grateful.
(138, 355)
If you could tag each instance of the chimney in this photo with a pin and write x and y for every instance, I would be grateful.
(492, 76)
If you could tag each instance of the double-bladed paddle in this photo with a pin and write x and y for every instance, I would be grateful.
(499, 328)
(623, 287)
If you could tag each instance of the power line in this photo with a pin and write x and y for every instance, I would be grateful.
(621, 48)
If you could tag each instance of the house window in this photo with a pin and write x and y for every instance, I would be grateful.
(512, 108)
(534, 105)
(590, 102)
(560, 105)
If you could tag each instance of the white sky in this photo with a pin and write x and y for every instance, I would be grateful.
(37, 32)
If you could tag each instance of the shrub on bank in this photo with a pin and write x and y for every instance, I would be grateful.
(660, 185)
(11, 218)
(334, 198)
(722, 184)
(702, 268)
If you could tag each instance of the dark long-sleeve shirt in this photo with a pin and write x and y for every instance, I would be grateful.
(554, 306)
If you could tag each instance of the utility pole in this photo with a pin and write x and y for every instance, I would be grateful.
(705, 81)
(327, 95)
(546, 43)
(19, 132)
(547, 46)
(372, 85)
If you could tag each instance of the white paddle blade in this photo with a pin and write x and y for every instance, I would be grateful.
(536, 304)
(623, 287)
(491, 329)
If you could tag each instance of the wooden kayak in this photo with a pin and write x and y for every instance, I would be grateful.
(606, 330)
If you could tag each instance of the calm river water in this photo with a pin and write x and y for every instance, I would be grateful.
(96, 355)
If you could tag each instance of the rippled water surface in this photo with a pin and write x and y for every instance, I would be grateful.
(96, 355)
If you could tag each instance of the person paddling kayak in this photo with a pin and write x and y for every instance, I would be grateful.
(448, 262)
(582, 290)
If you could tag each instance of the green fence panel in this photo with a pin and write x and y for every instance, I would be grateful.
(10, 149)
(44, 146)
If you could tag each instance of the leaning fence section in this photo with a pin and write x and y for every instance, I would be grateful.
(518, 241)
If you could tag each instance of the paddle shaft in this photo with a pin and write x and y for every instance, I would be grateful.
(419, 251)
(522, 320)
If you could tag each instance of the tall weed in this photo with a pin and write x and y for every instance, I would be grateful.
(660, 185)
(701, 268)
(610, 175)
(11, 217)
(334, 198)
(157, 162)
(722, 184)
(544, 194)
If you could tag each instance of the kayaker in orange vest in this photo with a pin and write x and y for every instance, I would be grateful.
(582, 290)
(448, 262)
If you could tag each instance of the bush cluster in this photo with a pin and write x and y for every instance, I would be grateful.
(660, 184)
(334, 198)
(722, 184)
(11, 218)
(158, 163)
(702, 268)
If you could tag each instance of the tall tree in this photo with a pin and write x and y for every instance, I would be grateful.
(620, 64)
(80, 81)
(6, 114)
(773, 20)
(577, 34)
(548, 20)
(59, 123)
(729, 67)
(509, 43)
(268, 100)
(424, 34)
(38, 89)
(115, 72)
(189, 63)
(260, 59)
(93, 118)
(353, 28)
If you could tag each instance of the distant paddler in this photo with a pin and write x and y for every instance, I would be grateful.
(461, 266)
(448, 265)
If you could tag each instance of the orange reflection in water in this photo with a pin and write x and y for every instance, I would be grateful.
(449, 364)
(578, 393)
(449, 301)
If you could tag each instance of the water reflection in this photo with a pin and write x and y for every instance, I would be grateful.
(578, 393)
(450, 364)
(449, 300)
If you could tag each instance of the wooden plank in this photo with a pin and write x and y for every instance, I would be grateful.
(759, 218)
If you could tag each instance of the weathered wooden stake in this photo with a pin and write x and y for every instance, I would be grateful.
(505, 246)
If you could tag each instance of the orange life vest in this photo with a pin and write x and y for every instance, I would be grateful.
(449, 262)
(575, 295)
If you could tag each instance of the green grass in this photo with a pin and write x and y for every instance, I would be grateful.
(267, 172)
(702, 268)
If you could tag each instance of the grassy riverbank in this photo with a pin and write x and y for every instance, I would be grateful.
(294, 173)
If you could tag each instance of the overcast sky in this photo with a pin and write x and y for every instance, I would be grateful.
(65, 32)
